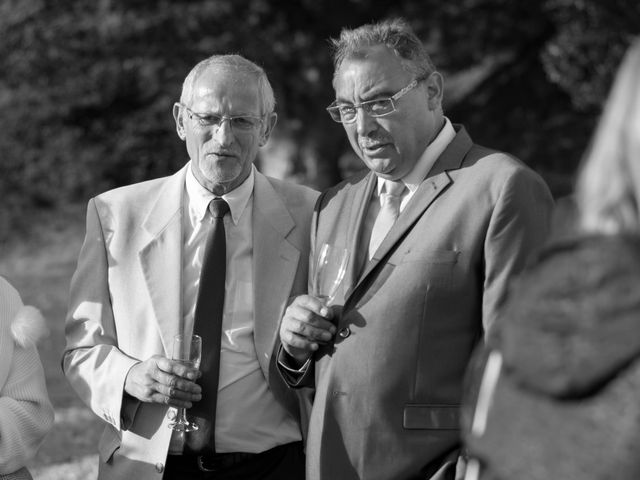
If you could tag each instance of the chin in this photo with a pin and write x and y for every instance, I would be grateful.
(222, 175)
(380, 166)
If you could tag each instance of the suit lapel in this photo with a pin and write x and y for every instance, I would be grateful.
(161, 258)
(359, 202)
(435, 183)
(275, 261)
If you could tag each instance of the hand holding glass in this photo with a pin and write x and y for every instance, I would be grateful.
(329, 272)
(187, 349)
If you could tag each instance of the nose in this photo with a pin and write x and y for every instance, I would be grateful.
(223, 133)
(365, 123)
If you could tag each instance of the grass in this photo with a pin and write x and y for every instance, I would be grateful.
(40, 264)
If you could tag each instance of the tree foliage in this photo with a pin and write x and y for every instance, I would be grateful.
(87, 87)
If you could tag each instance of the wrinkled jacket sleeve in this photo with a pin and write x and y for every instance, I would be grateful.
(518, 228)
(92, 362)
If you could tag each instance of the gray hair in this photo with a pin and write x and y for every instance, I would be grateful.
(396, 34)
(235, 63)
(608, 185)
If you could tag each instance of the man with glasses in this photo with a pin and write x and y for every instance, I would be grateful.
(436, 228)
(217, 249)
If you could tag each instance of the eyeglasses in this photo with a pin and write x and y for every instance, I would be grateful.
(347, 113)
(239, 123)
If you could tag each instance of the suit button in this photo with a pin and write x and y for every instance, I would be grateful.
(159, 467)
(345, 332)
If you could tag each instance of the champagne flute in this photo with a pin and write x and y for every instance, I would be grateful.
(329, 272)
(187, 349)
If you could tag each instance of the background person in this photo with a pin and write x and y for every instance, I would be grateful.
(26, 414)
(138, 284)
(437, 227)
(555, 394)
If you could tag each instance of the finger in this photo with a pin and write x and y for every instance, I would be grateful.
(312, 332)
(312, 304)
(176, 393)
(172, 402)
(178, 368)
(167, 382)
(303, 314)
(292, 339)
(320, 323)
(168, 369)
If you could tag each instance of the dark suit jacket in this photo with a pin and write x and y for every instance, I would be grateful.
(387, 392)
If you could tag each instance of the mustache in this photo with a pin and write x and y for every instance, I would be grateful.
(372, 142)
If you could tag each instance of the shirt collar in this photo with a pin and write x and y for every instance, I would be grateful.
(418, 173)
(199, 197)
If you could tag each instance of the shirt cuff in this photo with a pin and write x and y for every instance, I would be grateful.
(293, 376)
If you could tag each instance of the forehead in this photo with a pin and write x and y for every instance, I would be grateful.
(227, 90)
(376, 70)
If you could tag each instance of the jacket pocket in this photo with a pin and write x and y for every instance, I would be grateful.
(436, 256)
(109, 443)
(431, 417)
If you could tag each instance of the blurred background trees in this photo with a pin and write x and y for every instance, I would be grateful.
(86, 88)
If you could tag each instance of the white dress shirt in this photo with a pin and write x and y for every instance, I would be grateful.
(248, 417)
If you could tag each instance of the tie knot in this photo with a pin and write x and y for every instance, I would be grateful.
(394, 189)
(392, 194)
(218, 207)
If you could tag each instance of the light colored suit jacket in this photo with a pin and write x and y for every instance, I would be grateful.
(388, 390)
(125, 303)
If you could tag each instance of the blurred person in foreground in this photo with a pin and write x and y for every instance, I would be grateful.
(26, 414)
(152, 266)
(555, 395)
(436, 226)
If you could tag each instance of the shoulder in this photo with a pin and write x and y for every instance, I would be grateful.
(496, 162)
(25, 323)
(581, 269)
(500, 173)
(129, 205)
(341, 192)
(126, 195)
(10, 305)
(10, 302)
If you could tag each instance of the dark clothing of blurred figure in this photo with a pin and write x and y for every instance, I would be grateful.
(567, 359)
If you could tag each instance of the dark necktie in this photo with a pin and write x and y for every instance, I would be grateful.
(208, 324)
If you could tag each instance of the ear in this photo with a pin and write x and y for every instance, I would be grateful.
(435, 90)
(271, 123)
(179, 118)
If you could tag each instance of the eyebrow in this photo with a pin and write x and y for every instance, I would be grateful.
(211, 113)
(373, 94)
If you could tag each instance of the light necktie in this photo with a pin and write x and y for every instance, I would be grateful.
(208, 324)
(388, 214)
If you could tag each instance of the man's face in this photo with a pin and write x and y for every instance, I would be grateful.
(391, 145)
(221, 157)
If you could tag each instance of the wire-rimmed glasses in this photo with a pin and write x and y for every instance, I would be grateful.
(239, 123)
(347, 113)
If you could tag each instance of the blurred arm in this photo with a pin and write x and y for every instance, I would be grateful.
(26, 414)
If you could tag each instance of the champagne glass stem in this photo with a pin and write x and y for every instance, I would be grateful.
(181, 417)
